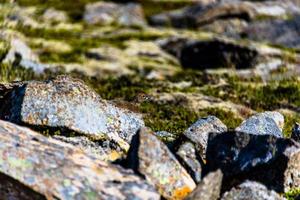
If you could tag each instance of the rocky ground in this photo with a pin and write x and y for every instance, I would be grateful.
(155, 99)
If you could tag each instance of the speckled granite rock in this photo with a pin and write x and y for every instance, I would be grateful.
(105, 13)
(187, 154)
(60, 171)
(151, 157)
(66, 103)
(209, 188)
(266, 123)
(251, 190)
(264, 158)
(296, 132)
(199, 131)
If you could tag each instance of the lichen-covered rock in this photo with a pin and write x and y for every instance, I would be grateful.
(266, 123)
(60, 171)
(265, 158)
(105, 13)
(68, 104)
(199, 132)
(251, 190)
(296, 132)
(209, 188)
(151, 157)
(187, 154)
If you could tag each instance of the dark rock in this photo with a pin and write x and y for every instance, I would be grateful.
(266, 123)
(188, 156)
(150, 157)
(199, 132)
(69, 105)
(209, 188)
(296, 132)
(105, 13)
(32, 162)
(252, 191)
(217, 54)
(264, 158)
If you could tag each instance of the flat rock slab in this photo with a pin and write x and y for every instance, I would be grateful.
(58, 170)
(151, 157)
(67, 103)
(264, 158)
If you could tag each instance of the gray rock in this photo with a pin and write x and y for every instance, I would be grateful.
(188, 156)
(251, 190)
(199, 132)
(296, 132)
(36, 167)
(52, 15)
(105, 13)
(150, 156)
(266, 123)
(209, 188)
(66, 103)
(166, 136)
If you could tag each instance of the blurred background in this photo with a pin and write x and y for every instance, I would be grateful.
(172, 61)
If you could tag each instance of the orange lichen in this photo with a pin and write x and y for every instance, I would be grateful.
(181, 193)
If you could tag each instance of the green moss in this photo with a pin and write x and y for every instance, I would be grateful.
(292, 194)
(289, 122)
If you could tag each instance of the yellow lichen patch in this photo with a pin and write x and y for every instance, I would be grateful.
(181, 193)
(114, 155)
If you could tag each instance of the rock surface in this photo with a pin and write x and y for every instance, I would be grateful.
(251, 190)
(57, 170)
(265, 158)
(66, 103)
(209, 188)
(267, 123)
(189, 159)
(151, 157)
(296, 132)
(199, 132)
(105, 13)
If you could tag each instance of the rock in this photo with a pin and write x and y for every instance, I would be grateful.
(52, 15)
(105, 13)
(150, 157)
(188, 156)
(209, 188)
(199, 132)
(296, 132)
(200, 14)
(102, 150)
(251, 190)
(217, 54)
(166, 136)
(267, 159)
(20, 54)
(280, 32)
(68, 105)
(59, 171)
(266, 123)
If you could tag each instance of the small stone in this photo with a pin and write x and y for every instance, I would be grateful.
(264, 158)
(52, 15)
(251, 190)
(188, 156)
(68, 104)
(199, 131)
(296, 132)
(266, 123)
(37, 167)
(209, 188)
(150, 157)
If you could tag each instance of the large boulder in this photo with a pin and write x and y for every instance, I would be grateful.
(105, 13)
(266, 123)
(36, 167)
(199, 131)
(69, 105)
(268, 159)
(150, 157)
